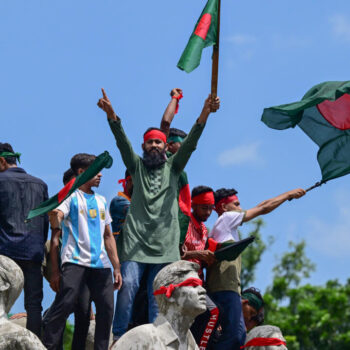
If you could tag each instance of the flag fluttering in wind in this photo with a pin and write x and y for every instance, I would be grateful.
(204, 34)
(229, 250)
(104, 160)
(324, 115)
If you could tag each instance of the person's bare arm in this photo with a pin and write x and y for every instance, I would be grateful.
(204, 255)
(169, 113)
(105, 104)
(111, 249)
(56, 218)
(209, 106)
(181, 157)
(269, 205)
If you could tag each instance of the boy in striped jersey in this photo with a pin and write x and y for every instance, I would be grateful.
(88, 248)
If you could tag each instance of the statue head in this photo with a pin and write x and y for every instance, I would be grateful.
(188, 299)
(11, 282)
(272, 334)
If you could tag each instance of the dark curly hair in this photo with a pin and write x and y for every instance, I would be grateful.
(81, 160)
(67, 176)
(177, 132)
(223, 193)
(6, 147)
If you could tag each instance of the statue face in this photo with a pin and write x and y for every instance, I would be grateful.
(11, 281)
(191, 299)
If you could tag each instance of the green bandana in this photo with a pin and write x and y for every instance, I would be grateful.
(175, 139)
(11, 154)
(253, 300)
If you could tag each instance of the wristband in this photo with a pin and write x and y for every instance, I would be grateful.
(178, 98)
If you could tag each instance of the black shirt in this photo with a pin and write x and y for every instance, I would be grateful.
(19, 193)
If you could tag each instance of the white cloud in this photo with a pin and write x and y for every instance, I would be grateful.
(290, 42)
(241, 39)
(332, 237)
(340, 26)
(240, 155)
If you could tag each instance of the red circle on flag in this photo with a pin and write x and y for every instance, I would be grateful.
(203, 26)
(337, 112)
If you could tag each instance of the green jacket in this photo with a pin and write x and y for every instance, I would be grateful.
(151, 232)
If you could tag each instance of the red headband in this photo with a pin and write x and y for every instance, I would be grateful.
(204, 198)
(225, 201)
(154, 134)
(264, 342)
(124, 181)
(190, 282)
(178, 98)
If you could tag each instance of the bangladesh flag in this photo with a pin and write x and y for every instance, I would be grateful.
(324, 115)
(204, 35)
(104, 160)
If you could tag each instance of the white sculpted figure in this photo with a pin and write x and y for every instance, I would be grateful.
(180, 297)
(265, 338)
(13, 336)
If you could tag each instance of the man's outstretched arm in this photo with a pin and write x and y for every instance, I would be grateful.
(169, 113)
(123, 143)
(182, 156)
(269, 205)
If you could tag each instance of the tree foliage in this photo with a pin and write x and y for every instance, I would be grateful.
(310, 317)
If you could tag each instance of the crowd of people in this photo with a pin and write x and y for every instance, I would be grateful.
(96, 248)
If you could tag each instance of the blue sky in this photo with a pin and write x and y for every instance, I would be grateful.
(55, 57)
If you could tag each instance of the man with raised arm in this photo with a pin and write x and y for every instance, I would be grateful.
(175, 138)
(223, 277)
(151, 231)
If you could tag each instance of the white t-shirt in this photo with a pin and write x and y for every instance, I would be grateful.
(226, 226)
(85, 220)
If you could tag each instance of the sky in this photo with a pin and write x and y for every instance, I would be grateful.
(55, 57)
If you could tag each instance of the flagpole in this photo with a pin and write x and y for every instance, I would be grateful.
(215, 63)
(317, 184)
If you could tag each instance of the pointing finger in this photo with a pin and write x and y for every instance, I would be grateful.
(104, 93)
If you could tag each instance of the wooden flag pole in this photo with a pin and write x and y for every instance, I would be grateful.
(215, 63)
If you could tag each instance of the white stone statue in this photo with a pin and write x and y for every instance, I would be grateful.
(12, 336)
(265, 338)
(180, 297)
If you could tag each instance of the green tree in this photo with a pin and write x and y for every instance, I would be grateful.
(310, 317)
(293, 267)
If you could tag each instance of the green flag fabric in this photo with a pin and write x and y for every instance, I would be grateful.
(204, 35)
(104, 160)
(324, 115)
(232, 250)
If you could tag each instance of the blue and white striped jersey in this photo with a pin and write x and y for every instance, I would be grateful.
(85, 219)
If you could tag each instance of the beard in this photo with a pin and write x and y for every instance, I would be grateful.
(153, 160)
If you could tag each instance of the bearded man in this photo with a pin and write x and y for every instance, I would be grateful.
(151, 231)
